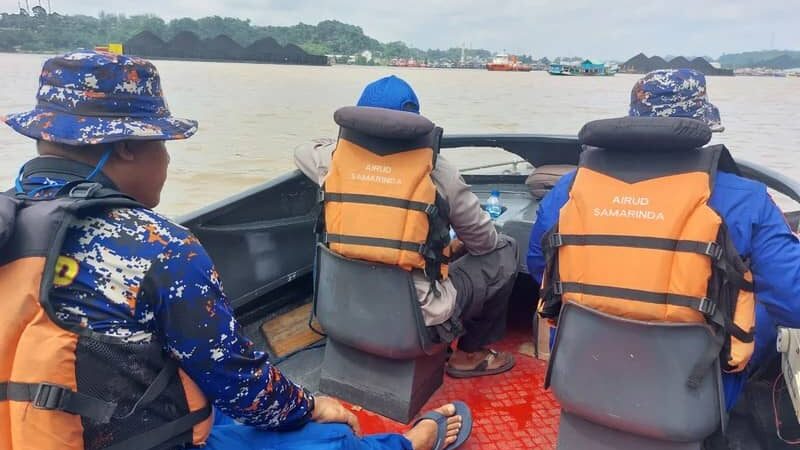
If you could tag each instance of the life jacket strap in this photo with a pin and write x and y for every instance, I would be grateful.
(328, 197)
(551, 301)
(729, 268)
(157, 386)
(164, 433)
(705, 305)
(710, 249)
(374, 242)
(54, 397)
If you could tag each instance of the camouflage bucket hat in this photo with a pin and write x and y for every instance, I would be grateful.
(674, 93)
(89, 97)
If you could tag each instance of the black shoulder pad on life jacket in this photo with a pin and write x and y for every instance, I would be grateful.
(8, 216)
(726, 162)
(635, 166)
(645, 134)
(383, 123)
(385, 131)
(436, 143)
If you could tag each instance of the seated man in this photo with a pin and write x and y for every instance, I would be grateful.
(132, 339)
(475, 295)
(755, 224)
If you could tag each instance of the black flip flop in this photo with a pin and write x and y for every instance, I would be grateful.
(481, 369)
(441, 423)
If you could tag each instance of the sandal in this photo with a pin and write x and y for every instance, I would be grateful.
(482, 369)
(441, 422)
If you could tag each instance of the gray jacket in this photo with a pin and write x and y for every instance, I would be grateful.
(470, 222)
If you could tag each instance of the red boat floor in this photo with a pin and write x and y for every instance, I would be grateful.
(510, 410)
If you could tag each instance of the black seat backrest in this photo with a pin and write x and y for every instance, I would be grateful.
(371, 307)
(632, 376)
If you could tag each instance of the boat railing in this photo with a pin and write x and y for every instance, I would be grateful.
(514, 164)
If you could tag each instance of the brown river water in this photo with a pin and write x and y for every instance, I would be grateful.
(252, 116)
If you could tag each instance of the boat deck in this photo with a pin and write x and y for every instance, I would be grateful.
(510, 410)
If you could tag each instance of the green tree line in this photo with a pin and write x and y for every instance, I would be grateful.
(773, 59)
(44, 32)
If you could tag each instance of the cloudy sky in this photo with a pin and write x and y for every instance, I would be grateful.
(592, 28)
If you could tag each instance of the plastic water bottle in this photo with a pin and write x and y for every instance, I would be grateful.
(493, 206)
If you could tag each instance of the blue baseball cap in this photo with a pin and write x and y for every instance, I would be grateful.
(89, 97)
(390, 93)
(674, 93)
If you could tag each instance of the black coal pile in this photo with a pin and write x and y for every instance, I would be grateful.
(642, 64)
(146, 44)
(187, 45)
(225, 47)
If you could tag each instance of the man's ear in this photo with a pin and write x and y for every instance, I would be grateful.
(123, 151)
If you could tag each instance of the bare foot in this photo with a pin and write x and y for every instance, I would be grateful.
(423, 435)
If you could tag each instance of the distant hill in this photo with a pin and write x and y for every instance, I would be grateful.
(771, 59)
(642, 64)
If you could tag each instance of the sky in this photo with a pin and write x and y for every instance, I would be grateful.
(602, 29)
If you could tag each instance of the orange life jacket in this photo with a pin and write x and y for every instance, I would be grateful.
(637, 238)
(63, 387)
(380, 203)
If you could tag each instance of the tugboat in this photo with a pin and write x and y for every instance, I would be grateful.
(507, 63)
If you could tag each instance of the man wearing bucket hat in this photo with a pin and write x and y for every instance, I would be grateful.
(472, 303)
(674, 93)
(116, 332)
(755, 223)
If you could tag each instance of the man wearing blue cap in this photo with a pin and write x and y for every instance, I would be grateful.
(474, 298)
(131, 340)
(755, 223)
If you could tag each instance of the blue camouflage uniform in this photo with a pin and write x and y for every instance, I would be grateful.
(133, 274)
(756, 225)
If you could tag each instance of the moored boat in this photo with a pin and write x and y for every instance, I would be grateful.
(563, 69)
(586, 68)
(507, 63)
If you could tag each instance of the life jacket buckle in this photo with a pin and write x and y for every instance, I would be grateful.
(85, 190)
(558, 288)
(707, 306)
(431, 210)
(48, 396)
(555, 240)
(714, 250)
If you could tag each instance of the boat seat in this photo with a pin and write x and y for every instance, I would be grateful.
(379, 355)
(622, 384)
